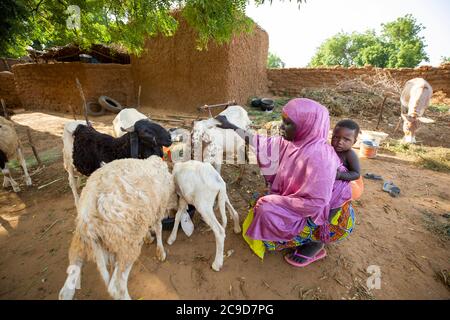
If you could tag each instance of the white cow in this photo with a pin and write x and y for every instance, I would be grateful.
(415, 99)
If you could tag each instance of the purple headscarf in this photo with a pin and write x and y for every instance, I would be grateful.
(303, 184)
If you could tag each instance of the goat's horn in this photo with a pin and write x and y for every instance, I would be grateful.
(129, 130)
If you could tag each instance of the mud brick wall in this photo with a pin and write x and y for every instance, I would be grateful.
(247, 70)
(174, 75)
(291, 81)
(52, 86)
(8, 90)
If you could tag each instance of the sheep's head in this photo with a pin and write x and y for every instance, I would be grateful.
(151, 134)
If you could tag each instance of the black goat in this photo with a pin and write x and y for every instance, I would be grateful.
(91, 148)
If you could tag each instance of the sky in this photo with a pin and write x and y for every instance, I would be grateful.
(295, 34)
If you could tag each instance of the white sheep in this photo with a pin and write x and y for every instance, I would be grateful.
(119, 204)
(10, 148)
(199, 184)
(125, 119)
(415, 98)
(210, 142)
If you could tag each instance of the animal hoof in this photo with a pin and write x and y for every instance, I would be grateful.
(170, 241)
(66, 294)
(161, 254)
(28, 182)
(216, 267)
(237, 230)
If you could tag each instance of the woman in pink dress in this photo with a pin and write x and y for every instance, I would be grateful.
(306, 207)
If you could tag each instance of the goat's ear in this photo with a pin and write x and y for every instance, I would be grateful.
(425, 120)
(129, 130)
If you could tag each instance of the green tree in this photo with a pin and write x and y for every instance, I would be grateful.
(274, 61)
(398, 45)
(405, 46)
(445, 60)
(43, 23)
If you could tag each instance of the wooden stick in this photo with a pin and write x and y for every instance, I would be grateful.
(398, 124)
(381, 112)
(44, 185)
(73, 112)
(226, 104)
(4, 110)
(51, 226)
(30, 141)
(139, 98)
(167, 120)
(84, 100)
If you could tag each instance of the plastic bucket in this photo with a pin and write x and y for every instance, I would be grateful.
(368, 149)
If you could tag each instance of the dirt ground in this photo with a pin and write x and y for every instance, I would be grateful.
(395, 234)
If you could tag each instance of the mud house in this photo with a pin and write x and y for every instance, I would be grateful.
(173, 75)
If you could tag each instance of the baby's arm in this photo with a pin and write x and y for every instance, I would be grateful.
(353, 168)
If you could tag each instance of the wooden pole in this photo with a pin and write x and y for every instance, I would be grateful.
(73, 112)
(398, 124)
(30, 141)
(139, 98)
(84, 100)
(381, 112)
(4, 110)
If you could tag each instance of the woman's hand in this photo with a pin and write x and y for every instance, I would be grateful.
(224, 123)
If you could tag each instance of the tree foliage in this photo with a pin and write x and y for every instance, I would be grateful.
(445, 60)
(398, 45)
(274, 61)
(43, 23)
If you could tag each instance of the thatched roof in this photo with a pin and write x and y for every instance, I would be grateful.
(71, 52)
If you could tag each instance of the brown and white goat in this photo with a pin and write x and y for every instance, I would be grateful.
(10, 148)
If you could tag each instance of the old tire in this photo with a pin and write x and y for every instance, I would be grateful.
(256, 103)
(267, 104)
(94, 109)
(110, 104)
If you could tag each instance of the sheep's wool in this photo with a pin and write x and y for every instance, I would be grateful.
(119, 203)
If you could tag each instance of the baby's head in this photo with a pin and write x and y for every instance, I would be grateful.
(345, 134)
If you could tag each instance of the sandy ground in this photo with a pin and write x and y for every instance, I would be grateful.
(392, 233)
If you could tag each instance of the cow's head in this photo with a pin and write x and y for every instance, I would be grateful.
(411, 124)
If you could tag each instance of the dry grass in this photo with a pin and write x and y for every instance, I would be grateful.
(433, 158)
(438, 224)
(47, 157)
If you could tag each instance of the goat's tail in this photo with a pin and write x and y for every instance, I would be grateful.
(222, 199)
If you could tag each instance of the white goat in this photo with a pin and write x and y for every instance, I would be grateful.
(120, 203)
(211, 142)
(10, 147)
(415, 98)
(125, 119)
(199, 184)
